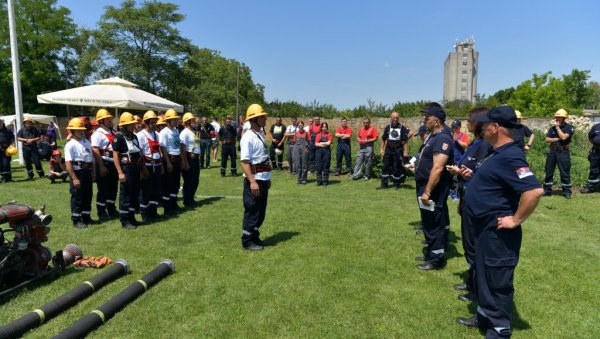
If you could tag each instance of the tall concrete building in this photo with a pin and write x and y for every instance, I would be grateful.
(460, 72)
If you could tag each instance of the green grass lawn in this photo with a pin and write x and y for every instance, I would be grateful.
(341, 265)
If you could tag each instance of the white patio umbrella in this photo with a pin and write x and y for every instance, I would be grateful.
(112, 92)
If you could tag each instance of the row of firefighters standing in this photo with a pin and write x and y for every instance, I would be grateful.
(144, 167)
(309, 149)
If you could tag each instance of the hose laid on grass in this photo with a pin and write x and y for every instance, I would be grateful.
(105, 312)
(37, 317)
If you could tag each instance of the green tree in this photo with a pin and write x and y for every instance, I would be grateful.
(44, 34)
(142, 45)
(210, 80)
(576, 88)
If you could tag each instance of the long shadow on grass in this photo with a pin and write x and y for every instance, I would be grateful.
(280, 237)
(209, 201)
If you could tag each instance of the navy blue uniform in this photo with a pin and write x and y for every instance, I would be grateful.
(395, 137)
(478, 149)
(130, 155)
(6, 139)
(519, 135)
(559, 155)
(31, 154)
(436, 223)
(594, 158)
(228, 135)
(495, 191)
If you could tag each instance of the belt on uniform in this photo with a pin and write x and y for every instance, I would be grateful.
(130, 162)
(262, 167)
(228, 142)
(394, 146)
(193, 155)
(83, 165)
(175, 158)
(559, 148)
(150, 162)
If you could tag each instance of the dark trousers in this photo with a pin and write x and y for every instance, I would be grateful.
(81, 198)
(107, 186)
(276, 160)
(5, 170)
(31, 155)
(191, 179)
(563, 160)
(497, 254)
(255, 209)
(312, 152)
(594, 177)
(205, 146)
(392, 166)
(343, 150)
(322, 164)
(170, 188)
(436, 224)
(129, 192)
(467, 229)
(228, 152)
(150, 192)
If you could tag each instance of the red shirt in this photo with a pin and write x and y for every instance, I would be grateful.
(314, 129)
(301, 134)
(324, 135)
(341, 130)
(364, 134)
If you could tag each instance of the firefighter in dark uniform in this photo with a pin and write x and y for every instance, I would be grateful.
(172, 151)
(257, 172)
(30, 136)
(559, 137)
(594, 158)
(522, 133)
(151, 174)
(128, 161)
(502, 194)
(107, 179)
(395, 137)
(433, 186)
(7, 139)
(79, 161)
(227, 136)
(477, 150)
(277, 134)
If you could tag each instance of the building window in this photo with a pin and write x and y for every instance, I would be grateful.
(464, 72)
(463, 97)
(464, 89)
(464, 80)
(464, 64)
(465, 55)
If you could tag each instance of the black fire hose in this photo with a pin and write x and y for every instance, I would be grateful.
(105, 312)
(37, 317)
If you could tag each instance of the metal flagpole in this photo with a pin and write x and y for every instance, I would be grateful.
(14, 54)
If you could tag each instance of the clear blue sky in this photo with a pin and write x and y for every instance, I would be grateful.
(344, 52)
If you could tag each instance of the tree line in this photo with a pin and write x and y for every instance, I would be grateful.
(140, 43)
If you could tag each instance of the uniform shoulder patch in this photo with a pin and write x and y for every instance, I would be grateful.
(524, 172)
(444, 146)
